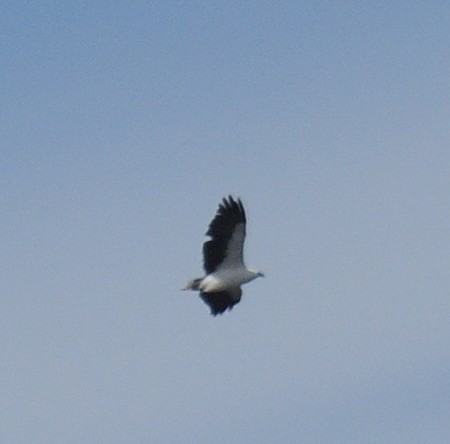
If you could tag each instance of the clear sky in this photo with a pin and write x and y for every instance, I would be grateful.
(123, 124)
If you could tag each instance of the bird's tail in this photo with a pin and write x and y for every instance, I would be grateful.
(193, 285)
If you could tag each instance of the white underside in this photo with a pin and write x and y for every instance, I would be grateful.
(227, 278)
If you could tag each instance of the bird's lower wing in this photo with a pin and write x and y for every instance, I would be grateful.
(220, 301)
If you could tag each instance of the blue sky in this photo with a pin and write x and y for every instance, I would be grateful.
(124, 124)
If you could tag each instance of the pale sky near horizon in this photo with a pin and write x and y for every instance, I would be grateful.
(123, 124)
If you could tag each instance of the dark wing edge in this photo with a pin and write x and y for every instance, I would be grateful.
(230, 213)
(220, 301)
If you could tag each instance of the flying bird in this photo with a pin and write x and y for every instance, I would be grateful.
(223, 259)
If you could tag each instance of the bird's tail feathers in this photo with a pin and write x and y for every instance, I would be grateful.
(193, 285)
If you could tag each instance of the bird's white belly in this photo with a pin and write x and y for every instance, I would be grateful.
(225, 279)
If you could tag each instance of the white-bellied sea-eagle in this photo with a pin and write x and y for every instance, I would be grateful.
(223, 259)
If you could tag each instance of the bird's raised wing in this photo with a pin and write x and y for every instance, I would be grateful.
(227, 231)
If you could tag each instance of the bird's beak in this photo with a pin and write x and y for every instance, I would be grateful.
(261, 274)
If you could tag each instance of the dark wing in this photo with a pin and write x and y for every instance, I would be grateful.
(227, 231)
(220, 301)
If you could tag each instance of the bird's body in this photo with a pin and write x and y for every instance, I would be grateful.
(223, 259)
(227, 278)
